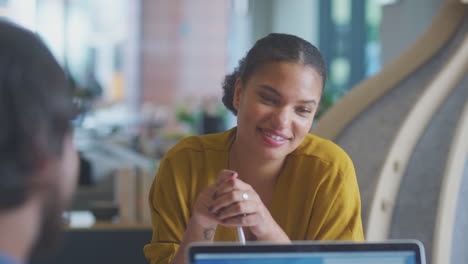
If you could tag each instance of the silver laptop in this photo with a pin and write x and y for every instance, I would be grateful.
(392, 252)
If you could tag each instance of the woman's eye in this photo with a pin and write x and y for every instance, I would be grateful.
(268, 99)
(304, 110)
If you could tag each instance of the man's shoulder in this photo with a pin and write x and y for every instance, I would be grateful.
(5, 259)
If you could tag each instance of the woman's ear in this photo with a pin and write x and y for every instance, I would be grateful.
(237, 94)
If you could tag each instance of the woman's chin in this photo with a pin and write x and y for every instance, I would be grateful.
(271, 154)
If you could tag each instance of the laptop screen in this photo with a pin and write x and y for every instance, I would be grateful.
(311, 254)
(401, 257)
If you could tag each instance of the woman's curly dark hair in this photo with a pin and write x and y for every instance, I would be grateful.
(273, 48)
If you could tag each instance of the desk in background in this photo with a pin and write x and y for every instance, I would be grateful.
(106, 243)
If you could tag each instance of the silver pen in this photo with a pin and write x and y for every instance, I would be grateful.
(240, 235)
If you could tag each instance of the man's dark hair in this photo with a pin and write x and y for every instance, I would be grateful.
(36, 107)
(273, 48)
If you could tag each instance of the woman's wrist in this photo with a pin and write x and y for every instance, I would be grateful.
(205, 230)
(276, 235)
(196, 231)
(271, 231)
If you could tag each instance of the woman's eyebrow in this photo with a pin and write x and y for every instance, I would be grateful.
(308, 102)
(273, 90)
(269, 88)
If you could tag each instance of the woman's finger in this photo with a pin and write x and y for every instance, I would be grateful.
(240, 220)
(230, 185)
(205, 195)
(224, 175)
(223, 188)
(228, 199)
(235, 209)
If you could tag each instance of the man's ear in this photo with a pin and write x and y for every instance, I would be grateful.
(237, 94)
(45, 172)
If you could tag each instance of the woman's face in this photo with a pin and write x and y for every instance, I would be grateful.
(276, 108)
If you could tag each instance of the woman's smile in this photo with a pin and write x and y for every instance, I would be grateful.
(276, 108)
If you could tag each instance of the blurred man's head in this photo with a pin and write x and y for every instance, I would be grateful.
(38, 163)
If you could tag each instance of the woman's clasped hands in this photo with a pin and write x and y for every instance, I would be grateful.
(233, 203)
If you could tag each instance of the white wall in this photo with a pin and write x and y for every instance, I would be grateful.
(297, 17)
(403, 23)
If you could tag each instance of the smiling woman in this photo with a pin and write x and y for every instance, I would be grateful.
(268, 175)
(277, 105)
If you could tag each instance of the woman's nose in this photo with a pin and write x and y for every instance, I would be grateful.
(281, 118)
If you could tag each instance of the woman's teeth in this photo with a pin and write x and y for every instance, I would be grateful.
(273, 136)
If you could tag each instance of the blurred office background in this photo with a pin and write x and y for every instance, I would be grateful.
(137, 62)
(146, 73)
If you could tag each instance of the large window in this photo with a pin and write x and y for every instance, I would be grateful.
(349, 40)
(87, 37)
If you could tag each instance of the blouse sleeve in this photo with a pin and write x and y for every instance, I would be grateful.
(337, 212)
(169, 213)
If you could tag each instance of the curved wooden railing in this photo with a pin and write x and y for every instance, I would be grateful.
(396, 161)
(446, 212)
(369, 91)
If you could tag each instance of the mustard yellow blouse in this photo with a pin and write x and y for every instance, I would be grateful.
(316, 196)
